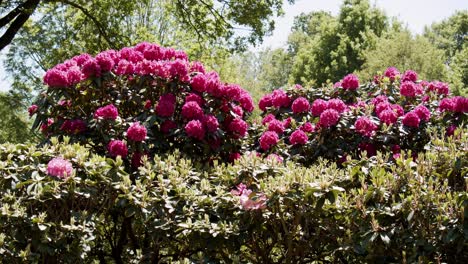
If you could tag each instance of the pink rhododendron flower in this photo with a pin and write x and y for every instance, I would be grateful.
(268, 118)
(287, 122)
(337, 85)
(234, 156)
(460, 104)
(451, 130)
(198, 83)
(211, 123)
(248, 199)
(388, 117)
(274, 157)
(131, 55)
(74, 75)
(238, 111)
(167, 126)
(369, 148)
(307, 127)
(91, 68)
(422, 112)
(382, 107)
(137, 159)
(124, 67)
(32, 109)
(446, 104)
(246, 102)
(238, 127)
(398, 109)
(179, 69)
(391, 73)
(318, 106)
(56, 78)
(411, 119)
(148, 104)
(409, 75)
(276, 126)
(60, 168)
(379, 99)
(81, 59)
(136, 132)
(107, 112)
(439, 87)
(105, 61)
(365, 126)
(350, 82)
(195, 129)
(300, 105)
(298, 137)
(265, 102)
(191, 110)
(117, 148)
(268, 139)
(197, 67)
(280, 99)
(408, 89)
(338, 105)
(166, 105)
(329, 118)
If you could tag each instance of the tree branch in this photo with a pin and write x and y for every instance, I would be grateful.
(25, 11)
(99, 26)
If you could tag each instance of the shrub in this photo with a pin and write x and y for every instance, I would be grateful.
(253, 211)
(392, 112)
(149, 98)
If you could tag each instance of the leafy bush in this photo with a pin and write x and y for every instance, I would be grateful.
(390, 114)
(143, 100)
(175, 210)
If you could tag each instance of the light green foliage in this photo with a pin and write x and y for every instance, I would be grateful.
(403, 51)
(330, 47)
(175, 210)
(451, 36)
(14, 123)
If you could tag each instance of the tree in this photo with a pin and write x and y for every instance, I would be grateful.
(207, 18)
(15, 126)
(334, 45)
(403, 51)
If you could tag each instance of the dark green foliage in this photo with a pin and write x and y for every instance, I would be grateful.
(175, 210)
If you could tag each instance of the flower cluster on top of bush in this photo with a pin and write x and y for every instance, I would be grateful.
(140, 101)
(389, 114)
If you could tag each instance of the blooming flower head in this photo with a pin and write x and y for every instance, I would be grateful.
(423, 113)
(408, 89)
(91, 68)
(265, 102)
(388, 117)
(195, 129)
(246, 102)
(280, 99)
(382, 107)
(238, 127)
(249, 200)
(136, 132)
(318, 106)
(167, 126)
(166, 105)
(329, 118)
(298, 137)
(107, 112)
(411, 119)
(191, 110)
(276, 126)
(60, 168)
(211, 123)
(409, 75)
(268, 139)
(350, 82)
(32, 109)
(337, 104)
(446, 104)
(300, 105)
(268, 118)
(460, 104)
(365, 126)
(391, 73)
(307, 127)
(56, 78)
(117, 148)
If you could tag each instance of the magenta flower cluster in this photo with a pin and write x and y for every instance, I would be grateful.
(60, 168)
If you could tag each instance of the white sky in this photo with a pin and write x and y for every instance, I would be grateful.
(413, 13)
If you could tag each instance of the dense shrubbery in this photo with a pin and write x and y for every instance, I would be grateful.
(390, 114)
(175, 210)
(143, 100)
(134, 169)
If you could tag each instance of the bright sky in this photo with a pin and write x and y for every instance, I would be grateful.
(414, 13)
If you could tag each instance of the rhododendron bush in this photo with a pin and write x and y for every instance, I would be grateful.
(390, 114)
(140, 101)
(61, 203)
